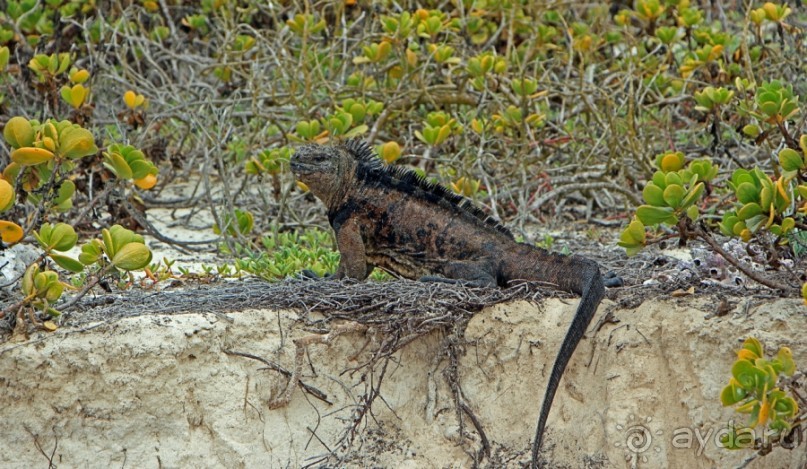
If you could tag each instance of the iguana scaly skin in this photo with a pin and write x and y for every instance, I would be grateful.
(389, 217)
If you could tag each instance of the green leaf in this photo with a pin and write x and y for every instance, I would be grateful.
(752, 130)
(747, 193)
(140, 168)
(67, 263)
(63, 237)
(753, 345)
(66, 191)
(673, 195)
(650, 215)
(4, 56)
(109, 245)
(117, 164)
(132, 256)
(790, 159)
(693, 195)
(673, 178)
(632, 238)
(356, 131)
(630, 248)
(788, 224)
(749, 210)
(121, 236)
(653, 195)
(756, 222)
(749, 376)
(76, 142)
(660, 179)
(636, 231)
(732, 394)
(90, 252)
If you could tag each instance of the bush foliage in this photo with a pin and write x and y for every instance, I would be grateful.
(683, 119)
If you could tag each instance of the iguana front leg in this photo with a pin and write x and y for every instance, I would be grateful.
(353, 263)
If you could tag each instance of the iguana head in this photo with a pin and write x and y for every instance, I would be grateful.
(322, 168)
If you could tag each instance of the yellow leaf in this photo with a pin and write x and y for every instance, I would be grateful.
(411, 58)
(770, 10)
(10, 232)
(78, 94)
(764, 412)
(6, 195)
(79, 76)
(390, 152)
(146, 182)
(443, 134)
(129, 98)
(49, 143)
(745, 235)
(19, 132)
(31, 156)
(780, 186)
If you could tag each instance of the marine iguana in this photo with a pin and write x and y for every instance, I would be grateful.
(392, 218)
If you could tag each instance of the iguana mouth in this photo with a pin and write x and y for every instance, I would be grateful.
(300, 167)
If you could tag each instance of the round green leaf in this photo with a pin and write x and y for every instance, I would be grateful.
(790, 159)
(747, 375)
(650, 215)
(747, 193)
(140, 168)
(753, 345)
(732, 394)
(653, 195)
(120, 236)
(659, 179)
(788, 224)
(673, 178)
(749, 210)
(132, 256)
(692, 212)
(63, 237)
(54, 291)
(673, 195)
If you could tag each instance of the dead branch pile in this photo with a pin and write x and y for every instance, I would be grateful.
(400, 305)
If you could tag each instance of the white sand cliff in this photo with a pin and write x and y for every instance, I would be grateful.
(158, 391)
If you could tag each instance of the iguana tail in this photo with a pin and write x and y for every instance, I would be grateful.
(582, 276)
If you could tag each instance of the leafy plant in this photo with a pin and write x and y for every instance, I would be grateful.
(128, 163)
(288, 253)
(753, 390)
(118, 248)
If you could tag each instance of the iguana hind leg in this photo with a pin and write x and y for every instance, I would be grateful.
(469, 273)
